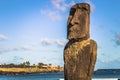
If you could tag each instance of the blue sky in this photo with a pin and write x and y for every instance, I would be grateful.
(35, 31)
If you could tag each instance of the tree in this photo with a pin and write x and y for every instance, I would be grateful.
(27, 63)
(50, 64)
(11, 65)
(40, 64)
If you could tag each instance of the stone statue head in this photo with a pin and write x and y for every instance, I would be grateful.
(78, 21)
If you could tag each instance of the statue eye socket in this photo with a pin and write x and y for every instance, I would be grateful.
(72, 11)
(83, 8)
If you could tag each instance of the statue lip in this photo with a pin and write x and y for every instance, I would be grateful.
(72, 31)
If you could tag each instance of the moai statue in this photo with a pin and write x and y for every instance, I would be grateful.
(80, 52)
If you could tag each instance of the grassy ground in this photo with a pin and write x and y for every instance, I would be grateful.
(27, 70)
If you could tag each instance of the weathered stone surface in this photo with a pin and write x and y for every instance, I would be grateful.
(80, 51)
(79, 57)
(78, 21)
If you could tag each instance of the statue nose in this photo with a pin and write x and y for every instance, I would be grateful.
(75, 19)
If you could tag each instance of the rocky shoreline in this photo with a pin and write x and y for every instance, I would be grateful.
(25, 73)
(13, 73)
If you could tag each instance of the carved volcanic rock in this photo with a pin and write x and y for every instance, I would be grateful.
(78, 21)
(80, 57)
(80, 51)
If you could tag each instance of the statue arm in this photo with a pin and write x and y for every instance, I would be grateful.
(93, 57)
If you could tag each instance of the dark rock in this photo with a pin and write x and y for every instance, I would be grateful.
(80, 51)
(78, 21)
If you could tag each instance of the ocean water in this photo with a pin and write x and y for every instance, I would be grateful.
(50, 76)
(35, 76)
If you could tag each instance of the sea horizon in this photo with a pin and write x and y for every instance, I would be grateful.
(54, 76)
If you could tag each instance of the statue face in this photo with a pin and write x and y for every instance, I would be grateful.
(78, 21)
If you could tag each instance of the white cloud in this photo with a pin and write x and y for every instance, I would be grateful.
(46, 41)
(4, 50)
(17, 59)
(61, 4)
(53, 15)
(58, 42)
(61, 42)
(1, 45)
(20, 48)
(57, 4)
(25, 47)
(92, 5)
(57, 7)
(3, 37)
